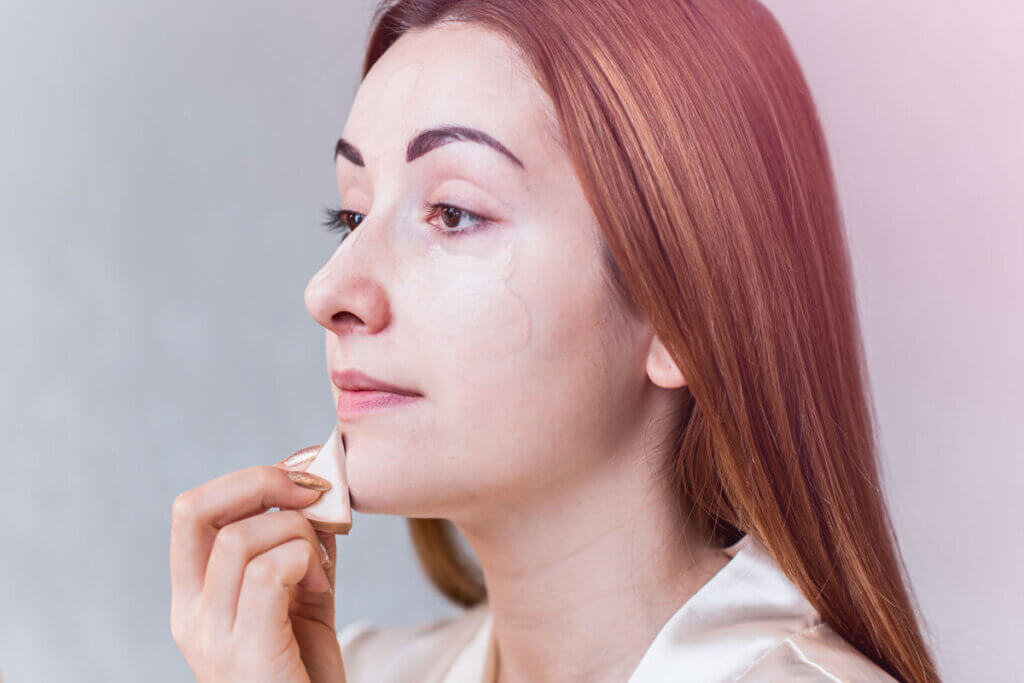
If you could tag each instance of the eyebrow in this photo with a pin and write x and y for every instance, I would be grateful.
(428, 140)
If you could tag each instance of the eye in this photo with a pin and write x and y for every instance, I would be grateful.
(345, 221)
(452, 216)
(340, 220)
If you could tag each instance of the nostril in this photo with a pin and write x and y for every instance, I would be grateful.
(345, 319)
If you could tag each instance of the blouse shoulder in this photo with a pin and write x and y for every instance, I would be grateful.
(815, 654)
(404, 654)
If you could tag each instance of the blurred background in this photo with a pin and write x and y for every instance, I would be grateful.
(164, 169)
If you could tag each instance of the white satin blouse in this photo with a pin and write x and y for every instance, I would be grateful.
(748, 623)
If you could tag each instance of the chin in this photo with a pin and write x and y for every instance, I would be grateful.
(388, 491)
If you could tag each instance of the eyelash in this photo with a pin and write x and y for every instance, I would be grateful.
(336, 220)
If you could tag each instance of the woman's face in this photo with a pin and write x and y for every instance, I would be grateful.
(530, 371)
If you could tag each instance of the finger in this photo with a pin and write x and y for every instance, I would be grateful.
(234, 547)
(265, 596)
(199, 513)
(331, 545)
(314, 606)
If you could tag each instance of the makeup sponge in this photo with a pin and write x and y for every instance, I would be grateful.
(332, 512)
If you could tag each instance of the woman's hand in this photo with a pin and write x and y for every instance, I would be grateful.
(250, 599)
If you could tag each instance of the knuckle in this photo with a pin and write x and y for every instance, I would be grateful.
(181, 629)
(229, 542)
(261, 571)
(184, 505)
(268, 473)
(180, 635)
(264, 476)
(176, 631)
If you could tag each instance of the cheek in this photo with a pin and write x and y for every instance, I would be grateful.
(470, 300)
(331, 353)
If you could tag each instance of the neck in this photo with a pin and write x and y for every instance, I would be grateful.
(581, 580)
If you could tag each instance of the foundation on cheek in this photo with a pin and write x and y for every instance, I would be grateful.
(472, 281)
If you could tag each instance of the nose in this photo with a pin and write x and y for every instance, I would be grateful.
(345, 297)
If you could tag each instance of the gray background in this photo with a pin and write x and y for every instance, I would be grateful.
(164, 169)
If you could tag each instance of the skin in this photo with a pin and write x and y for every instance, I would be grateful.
(544, 401)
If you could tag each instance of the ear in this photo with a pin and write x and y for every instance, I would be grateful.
(661, 368)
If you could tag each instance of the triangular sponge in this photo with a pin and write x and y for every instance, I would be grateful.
(332, 512)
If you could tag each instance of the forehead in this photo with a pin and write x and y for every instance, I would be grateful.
(458, 74)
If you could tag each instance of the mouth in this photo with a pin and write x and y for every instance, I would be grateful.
(360, 393)
(354, 380)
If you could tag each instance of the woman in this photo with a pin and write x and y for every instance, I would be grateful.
(597, 245)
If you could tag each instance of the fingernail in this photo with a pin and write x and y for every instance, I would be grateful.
(327, 557)
(310, 481)
(300, 457)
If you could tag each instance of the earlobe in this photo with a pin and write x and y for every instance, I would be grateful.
(661, 368)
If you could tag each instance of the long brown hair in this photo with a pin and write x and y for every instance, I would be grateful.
(695, 138)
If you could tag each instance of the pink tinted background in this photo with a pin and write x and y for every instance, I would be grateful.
(922, 107)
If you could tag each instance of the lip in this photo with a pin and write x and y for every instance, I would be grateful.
(353, 380)
(354, 403)
(360, 393)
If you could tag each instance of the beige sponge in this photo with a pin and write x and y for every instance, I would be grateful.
(332, 512)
